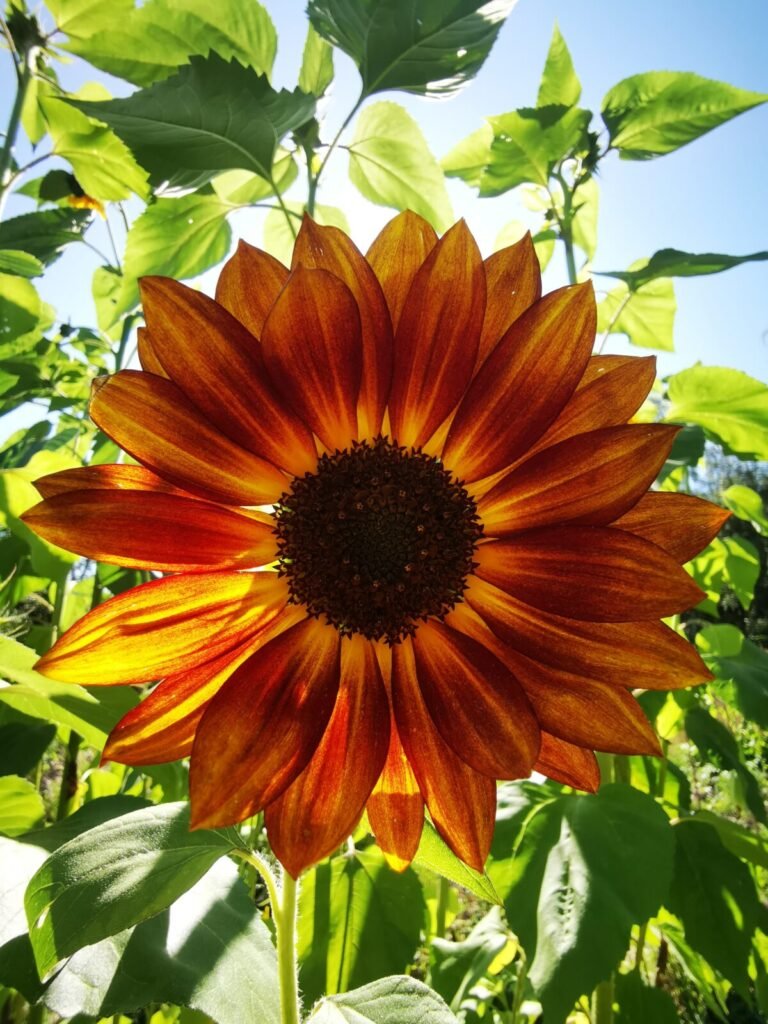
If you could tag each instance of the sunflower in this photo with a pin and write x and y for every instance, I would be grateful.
(406, 535)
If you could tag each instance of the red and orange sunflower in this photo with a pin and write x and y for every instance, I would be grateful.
(406, 536)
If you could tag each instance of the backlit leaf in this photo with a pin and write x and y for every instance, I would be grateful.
(316, 72)
(728, 562)
(737, 661)
(559, 82)
(433, 853)
(278, 238)
(14, 261)
(44, 234)
(586, 201)
(21, 806)
(469, 158)
(674, 263)
(646, 316)
(20, 307)
(747, 505)
(243, 188)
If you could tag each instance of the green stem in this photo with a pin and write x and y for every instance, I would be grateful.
(522, 974)
(68, 789)
(640, 946)
(285, 923)
(602, 1003)
(6, 154)
(284, 208)
(621, 768)
(313, 181)
(443, 890)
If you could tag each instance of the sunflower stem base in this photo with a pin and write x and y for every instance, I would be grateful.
(285, 924)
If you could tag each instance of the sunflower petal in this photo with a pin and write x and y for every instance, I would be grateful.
(396, 255)
(320, 809)
(145, 530)
(476, 703)
(273, 712)
(163, 627)
(462, 802)
(437, 337)
(218, 364)
(566, 763)
(249, 284)
(106, 477)
(680, 524)
(328, 248)
(147, 355)
(594, 573)
(588, 479)
(396, 807)
(524, 383)
(312, 350)
(648, 655)
(514, 283)
(153, 421)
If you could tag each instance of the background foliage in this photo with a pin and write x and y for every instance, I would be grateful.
(644, 902)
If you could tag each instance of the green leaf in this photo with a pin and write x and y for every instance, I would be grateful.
(469, 158)
(66, 704)
(20, 307)
(177, 237)
(747, 505)
(357, 921)
(14, 261)
(456, 966)
(584, 224)
(744, 843)
(44, 234)
(148, 43)
(209, 950)
(674, 263)
(740, 663)
(527, 143)
(278, 239)
(657, 112)
(211, 116)
(243, 188)
(576, 873)
(731, 406)
(646, 316)
(80, 896)
(390, 163)
(714, 896)
(559, 83)
(728, 562)
(717, 745)
(394, 1000)
(433, 853)
(424, 47)
(316, 72)
(639, 1003)
(21, 806)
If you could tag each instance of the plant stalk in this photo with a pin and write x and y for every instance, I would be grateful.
(285, 923)
(6, 154)
(443, 890)
(602, 1003)
(314, 180)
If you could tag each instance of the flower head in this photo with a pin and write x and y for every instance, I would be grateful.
(461, 570)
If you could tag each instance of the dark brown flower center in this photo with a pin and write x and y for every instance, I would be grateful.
(378, 538)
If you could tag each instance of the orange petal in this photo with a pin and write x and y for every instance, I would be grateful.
(162, 627)
(475, 702)
(523, 384)
(145, 530)
(513, 279)
(396, 807)
(437, 337)
(219, 366)
(678, 523)
(327, 248)
(589, 572)
(107, 477)
(396, 255)
(162, 727)
(566, 763)
(154, 421)
(588, 479)
(147, 355)
(583, 711)
(320, 809)
(263, 726)
(462, 802)
(312, 350)
(249, 284)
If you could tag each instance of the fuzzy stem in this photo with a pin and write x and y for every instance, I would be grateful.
(285, 923)
(602, 1003)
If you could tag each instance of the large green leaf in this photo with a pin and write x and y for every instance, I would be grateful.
(469, 158)
(83, 894)
(731, 406)
(395, 1000)
(747, 505)
(714, 896)
(456, 966)
(717, 745)
(426, 46)
(20, 307)
(654, 113)
(576, 873)
(390, 163)
(316, 72)
(527, 143)
(740, 663)
(727, 562)
(212, 115)
(675, 263)
(21, 806)
(148, 43)
(641, 1004)
(357, 921)
(646, 316)
(433, 853)
(44, 234)
(560, 85)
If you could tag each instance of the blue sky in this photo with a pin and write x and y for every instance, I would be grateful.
(708, 196)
